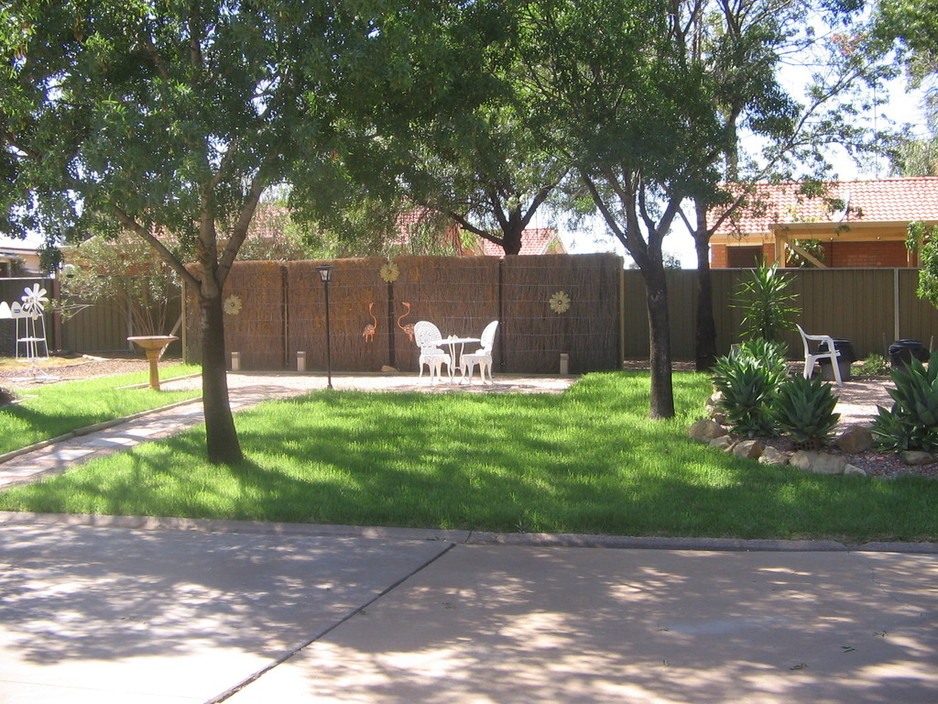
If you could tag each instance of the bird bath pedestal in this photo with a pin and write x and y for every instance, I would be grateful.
(153, 345)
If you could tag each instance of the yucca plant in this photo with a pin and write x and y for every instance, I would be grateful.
(803, 409)
(768, 304)
(912, 422)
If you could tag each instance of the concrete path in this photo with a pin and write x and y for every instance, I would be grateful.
(104, 609)
(137, 610)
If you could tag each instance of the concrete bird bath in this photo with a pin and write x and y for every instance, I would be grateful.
(153, 345)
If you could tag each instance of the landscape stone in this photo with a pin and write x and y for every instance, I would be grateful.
(853, 471)
(818, 462)
(748, 449)
(772, 455)
(855, 439)
(705, 430)
(916, 457)
(724, 442)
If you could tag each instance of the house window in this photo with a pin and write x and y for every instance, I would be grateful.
(743, 257)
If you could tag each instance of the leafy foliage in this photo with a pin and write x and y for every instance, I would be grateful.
(803, 409)
(874, 365)
(923, 239)
(912, 422)
(125, 274)
(768, 304)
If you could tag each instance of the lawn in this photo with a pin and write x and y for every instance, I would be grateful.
(49, 411)
(585, 462)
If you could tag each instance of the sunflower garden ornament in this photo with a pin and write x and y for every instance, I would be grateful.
(560, 302)
(389, 272)
(233, 305)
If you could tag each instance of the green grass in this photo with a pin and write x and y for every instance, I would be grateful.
(585, 462)
(49, 411)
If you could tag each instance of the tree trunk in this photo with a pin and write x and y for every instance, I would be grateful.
(220, 435)
(659, 338)
(705, 341)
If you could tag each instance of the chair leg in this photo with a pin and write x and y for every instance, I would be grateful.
(483, 366)
(835, 363)
(808, 367)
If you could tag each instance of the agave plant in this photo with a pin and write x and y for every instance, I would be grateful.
(747, 387)
(912, 422)
(803, 409)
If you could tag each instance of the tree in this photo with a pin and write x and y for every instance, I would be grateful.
(914, 27)
(493, 175)
(634, 118)
(177, 116)
(744, 46)
(124, 273)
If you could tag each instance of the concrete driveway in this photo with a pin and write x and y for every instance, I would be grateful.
(155, 610)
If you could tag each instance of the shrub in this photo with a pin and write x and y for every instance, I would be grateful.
(874, 365)
(803, 409)
(912, 422)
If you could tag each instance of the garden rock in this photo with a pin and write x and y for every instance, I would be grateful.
(855, 439)
(774, 456)
(748, 449)
(724, 442)
(6, 396)
(818, 462)
(916, 457)
(706, 430)
(851, 471)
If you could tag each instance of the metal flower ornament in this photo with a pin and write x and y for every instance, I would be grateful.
(390, 272)
(232, 305)
(560, 302)
(34, 300)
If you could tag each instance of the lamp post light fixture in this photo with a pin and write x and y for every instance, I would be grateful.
(325, 273)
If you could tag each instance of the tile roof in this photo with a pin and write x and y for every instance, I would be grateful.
(534, 240)
(882, 200)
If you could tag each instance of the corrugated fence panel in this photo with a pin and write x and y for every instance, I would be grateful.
(918, 319)
(95, 328)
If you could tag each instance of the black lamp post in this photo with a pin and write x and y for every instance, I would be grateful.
(325, 273)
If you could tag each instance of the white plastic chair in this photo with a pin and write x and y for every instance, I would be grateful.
(811, 358)
(482, 356)
(428, 338)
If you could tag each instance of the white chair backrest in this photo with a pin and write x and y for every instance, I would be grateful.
(804, 340)
(488, 335)
(426, 334)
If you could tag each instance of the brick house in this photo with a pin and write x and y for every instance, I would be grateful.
(860, 224)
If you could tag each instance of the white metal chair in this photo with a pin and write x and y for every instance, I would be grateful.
(482, 356)
(428, 339)
(811, 358)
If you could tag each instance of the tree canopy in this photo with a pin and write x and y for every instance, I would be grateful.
(171, 118)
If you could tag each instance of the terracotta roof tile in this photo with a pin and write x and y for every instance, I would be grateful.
(883, 200)
(534, 240)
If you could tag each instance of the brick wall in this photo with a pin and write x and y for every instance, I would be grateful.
(867, 254)
(723, 257)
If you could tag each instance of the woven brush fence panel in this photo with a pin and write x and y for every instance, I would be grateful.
(457, 294)
(253, 304)
(546, 305)
(557, 304)
(358, 321)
